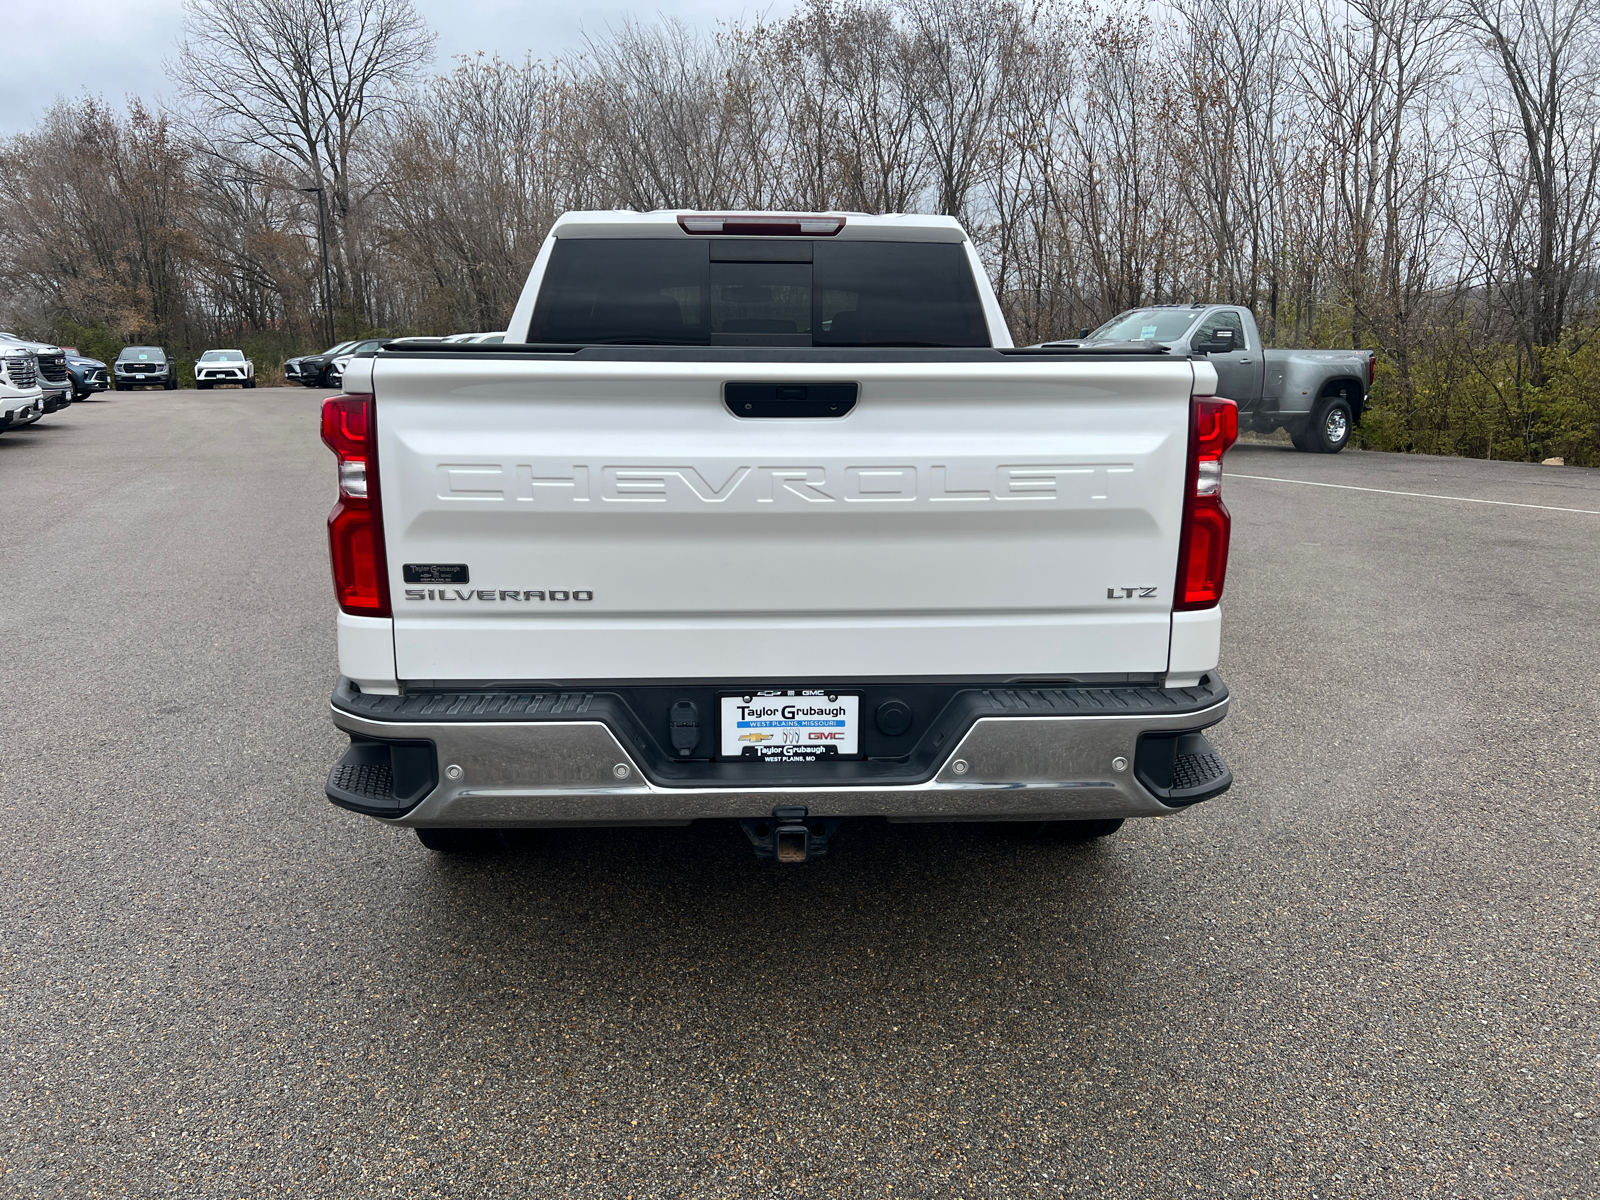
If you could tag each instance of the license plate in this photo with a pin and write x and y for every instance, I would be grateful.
(791, 726)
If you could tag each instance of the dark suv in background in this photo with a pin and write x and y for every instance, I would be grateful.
(312, 369)
(89, 375)
(143, 366)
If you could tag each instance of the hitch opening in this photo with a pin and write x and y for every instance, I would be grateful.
(789, 835)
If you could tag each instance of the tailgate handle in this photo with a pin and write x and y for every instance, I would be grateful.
(767, 400)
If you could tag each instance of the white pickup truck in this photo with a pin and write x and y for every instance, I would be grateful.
(761, 517)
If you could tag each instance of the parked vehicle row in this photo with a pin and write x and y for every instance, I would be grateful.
(224, 366)
(326, 370)
(50, 371)
(38, 378)
(152, 366)
(35, 380)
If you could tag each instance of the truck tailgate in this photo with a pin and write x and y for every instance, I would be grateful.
(564, 519)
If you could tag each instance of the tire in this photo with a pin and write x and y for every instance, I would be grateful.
(1061, 831)
(1332, 422)
(1082, 831)
(171, 385)
(251, 382)
(457, 841)
(1300, 435)
(202, 387)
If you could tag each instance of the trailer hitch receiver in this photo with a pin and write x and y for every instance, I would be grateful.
(789, 835)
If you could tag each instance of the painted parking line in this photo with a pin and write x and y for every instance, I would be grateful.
(1350, 487)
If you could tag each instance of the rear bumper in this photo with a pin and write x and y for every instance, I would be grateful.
(1125, 752)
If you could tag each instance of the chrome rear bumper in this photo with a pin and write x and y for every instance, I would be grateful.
(508, 773)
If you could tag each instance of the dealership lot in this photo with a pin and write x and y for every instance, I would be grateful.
(1368, 970)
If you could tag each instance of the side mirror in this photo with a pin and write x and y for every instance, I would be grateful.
(1221, 343)
(1084, 331)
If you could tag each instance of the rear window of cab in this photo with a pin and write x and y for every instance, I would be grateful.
(761, 292)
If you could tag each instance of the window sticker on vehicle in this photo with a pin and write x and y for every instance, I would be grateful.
(791, 726)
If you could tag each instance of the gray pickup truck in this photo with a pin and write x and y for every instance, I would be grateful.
(1317, 395)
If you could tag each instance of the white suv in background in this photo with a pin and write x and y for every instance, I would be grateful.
(224, 366)
(21, 398)
(50, 367)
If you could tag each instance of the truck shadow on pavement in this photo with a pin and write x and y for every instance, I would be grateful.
(951, 927)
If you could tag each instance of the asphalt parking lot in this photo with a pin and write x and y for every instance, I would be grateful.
(1368, 970)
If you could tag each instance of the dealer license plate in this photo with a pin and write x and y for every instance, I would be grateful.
(791, 726)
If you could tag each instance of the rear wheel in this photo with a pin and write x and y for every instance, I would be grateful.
(455, 841)
(1332, 422)
(1300, 435)
(1076, 831)
(1084, 831)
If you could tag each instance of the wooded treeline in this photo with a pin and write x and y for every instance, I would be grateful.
(1421, 177)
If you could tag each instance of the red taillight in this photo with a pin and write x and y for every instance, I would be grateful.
(762, 225)
(1372, 369)
(1203, 542)
(355, 526)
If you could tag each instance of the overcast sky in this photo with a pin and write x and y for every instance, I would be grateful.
(114, 47)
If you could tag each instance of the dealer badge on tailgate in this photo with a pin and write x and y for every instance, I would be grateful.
(791, 726)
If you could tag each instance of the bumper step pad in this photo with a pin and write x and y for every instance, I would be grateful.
(1180, 769)
(383, 779)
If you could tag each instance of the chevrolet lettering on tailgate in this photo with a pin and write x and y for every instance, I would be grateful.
(743, 486)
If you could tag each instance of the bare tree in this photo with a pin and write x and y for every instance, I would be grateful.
(301, 81)
(679, 119)
(1374, 74)
(1538, 147)
(852, 131)
(1232, 142)
(957, 65)
(481, 164)
(98, 218)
